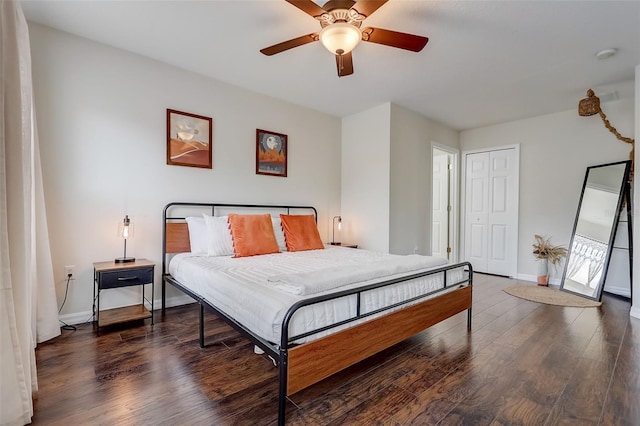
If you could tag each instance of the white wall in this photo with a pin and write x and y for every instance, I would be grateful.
(102, 126)
(365, 178)
(555, 151)
(411, 176)
(386, 178)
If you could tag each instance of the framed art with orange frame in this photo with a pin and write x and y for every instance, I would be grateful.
(189, 139)
(271, 153)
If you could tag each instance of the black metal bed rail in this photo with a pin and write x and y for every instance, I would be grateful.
(286, 341)
(268, 347)
(360, 316)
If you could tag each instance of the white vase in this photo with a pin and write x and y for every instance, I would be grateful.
(543, 271)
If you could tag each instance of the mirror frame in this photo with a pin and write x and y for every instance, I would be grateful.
(623, 193)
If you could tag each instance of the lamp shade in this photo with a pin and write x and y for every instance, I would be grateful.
(125, 228)
(340, 38)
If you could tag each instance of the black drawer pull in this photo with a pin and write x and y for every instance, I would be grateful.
(127, 278)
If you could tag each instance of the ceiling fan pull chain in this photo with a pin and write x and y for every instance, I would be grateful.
(340, 52)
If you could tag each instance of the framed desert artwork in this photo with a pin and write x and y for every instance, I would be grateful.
(189, 139)
(271, 153)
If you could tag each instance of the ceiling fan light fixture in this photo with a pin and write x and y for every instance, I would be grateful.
(340, 38)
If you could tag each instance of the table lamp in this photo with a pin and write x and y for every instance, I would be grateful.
(333, 238)
(125, 230)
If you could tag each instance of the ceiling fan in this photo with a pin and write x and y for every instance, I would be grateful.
(341, 22)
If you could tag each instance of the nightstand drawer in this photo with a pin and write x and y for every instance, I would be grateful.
(124, 278)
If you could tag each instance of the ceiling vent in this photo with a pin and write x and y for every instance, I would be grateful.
(608, 96)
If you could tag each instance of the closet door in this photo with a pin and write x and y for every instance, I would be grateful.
(477, 210)
(503, 213)
(491, 211)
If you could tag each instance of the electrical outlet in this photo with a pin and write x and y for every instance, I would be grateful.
(68, 270)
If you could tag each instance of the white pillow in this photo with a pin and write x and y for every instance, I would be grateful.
(197, 235)
(277, 229)
(218, 234)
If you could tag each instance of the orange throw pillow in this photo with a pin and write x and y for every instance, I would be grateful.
(301, 232)
(252, 234)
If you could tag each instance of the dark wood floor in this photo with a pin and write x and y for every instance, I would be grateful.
(522, 363)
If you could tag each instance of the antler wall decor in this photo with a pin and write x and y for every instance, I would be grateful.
(591, 106)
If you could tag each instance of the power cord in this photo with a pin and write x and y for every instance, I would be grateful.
(66, 326)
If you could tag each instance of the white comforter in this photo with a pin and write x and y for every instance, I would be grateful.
(240, 286)
(321, 280)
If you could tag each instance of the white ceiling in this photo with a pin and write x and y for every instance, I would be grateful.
(486, 61)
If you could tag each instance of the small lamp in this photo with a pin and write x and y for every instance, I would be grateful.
(125, 230)
(333, 238)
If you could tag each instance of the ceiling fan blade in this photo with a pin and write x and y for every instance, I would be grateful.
(308, 7)
(367, 7)
(289, 44)
(412, 42)
(344, 64)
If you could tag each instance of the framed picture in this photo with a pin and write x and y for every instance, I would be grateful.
(189, 139)
(271, 153)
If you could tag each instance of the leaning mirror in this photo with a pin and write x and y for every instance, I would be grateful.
(594, 229)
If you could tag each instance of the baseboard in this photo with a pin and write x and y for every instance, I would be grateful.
(620, 291)
(180, 300)
(87, 316)
(76, 318)
(635, 312)
(525, 277)
(534, 279)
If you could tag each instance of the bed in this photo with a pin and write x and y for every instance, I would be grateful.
(314, 312)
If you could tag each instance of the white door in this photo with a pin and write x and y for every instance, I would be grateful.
(441, 208)
(503, 213)
(491, 219)
(477, 210)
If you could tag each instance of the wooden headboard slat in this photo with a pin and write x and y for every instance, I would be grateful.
(178, 238)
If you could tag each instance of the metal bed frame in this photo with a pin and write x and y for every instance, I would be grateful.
(282, 353)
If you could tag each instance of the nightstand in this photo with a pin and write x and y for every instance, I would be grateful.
(345, 245)
(108, 275)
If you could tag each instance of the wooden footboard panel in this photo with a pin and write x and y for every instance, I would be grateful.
(311, 362)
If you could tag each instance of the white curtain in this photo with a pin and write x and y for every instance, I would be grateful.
(586, 260)
(28, 306)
